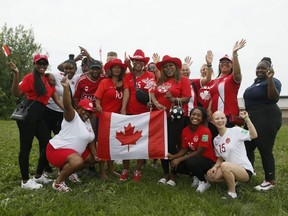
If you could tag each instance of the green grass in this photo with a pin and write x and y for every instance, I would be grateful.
(97, 197)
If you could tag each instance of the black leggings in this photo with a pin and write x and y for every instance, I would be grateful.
(53, 120)
(174, 141)
(195, 166)
(34, 125)
(267, 121)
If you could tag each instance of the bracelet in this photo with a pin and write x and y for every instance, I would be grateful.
(235, 55)
(209, 65)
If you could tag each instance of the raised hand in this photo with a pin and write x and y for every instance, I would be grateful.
(270, 72)
(188, 60)
(243, 114)
(65, 81)
(156, 58)
(239, 45)
(209, 57)
(83, 51)
(13, 67)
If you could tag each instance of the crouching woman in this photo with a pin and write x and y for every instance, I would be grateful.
(74, 145)
(232, 162)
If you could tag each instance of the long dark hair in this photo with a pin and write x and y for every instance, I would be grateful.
(120, 78)
(39, 86)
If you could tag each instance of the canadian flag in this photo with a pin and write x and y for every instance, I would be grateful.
(6, 50)
(142, 136)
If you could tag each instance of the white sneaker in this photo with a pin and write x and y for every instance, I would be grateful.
(42, 180)
(31, 184)
(171, 183)
(62, 187)
(118, 162)
(195, 182)
(74, 178)
(264, 186)
(202, 186)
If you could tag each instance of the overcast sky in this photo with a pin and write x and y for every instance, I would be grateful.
(178, 28)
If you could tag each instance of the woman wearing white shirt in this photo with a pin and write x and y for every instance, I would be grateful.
(232, 162)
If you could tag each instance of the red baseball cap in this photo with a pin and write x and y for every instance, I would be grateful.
(38, 57)
(86, 104)
(226, 57)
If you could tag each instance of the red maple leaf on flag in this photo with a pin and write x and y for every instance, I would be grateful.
(129, 137)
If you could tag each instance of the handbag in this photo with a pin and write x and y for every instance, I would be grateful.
(21, 111)
(141, 95)
(176, 110)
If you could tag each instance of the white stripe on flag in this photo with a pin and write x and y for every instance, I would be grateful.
(140, 136)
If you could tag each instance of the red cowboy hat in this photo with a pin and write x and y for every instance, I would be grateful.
(115, 62)
(166, 59)
(139, 55)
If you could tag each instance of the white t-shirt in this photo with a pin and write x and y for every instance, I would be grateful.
(231, 147)
(59, 89)
(75, 135)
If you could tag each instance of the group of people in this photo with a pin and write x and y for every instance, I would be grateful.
(203, 140)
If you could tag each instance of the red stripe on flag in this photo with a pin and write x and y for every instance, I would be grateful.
(6, 50)
(156, 143)
(103, 150)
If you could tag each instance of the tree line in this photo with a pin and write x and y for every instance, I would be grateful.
(23, 47)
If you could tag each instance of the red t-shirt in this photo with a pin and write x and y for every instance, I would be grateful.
(146, 81)
(177, 90)
(86, 88)
(27, 87)
(200, 138)
(204, 95)
(111, 98)
(224, 95)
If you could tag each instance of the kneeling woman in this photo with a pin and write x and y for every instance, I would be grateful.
(232, 163)
(74, 145)
(197, 155)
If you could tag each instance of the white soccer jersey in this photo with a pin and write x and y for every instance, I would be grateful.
(231, 147)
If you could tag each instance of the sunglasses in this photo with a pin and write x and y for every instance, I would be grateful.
(225, 62)
(42, 63)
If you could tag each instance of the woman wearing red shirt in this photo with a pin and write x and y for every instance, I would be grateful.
(197, 155)
(172, 88)
(109, 97)
(36, 87)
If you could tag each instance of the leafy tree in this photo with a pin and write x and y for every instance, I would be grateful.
(22, 45)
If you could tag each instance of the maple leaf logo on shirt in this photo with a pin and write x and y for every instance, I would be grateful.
(129, 137)
(205, 95)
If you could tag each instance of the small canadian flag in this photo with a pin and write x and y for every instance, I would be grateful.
(6, 50)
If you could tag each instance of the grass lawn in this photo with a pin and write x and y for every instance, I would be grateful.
(97, 197)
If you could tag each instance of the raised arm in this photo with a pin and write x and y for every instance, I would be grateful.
(69, 111)
(236, 66)
(209, 60)
(251, 128)
(15, 84)
(273, 93)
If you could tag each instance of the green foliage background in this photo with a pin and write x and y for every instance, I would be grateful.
(23, 46)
